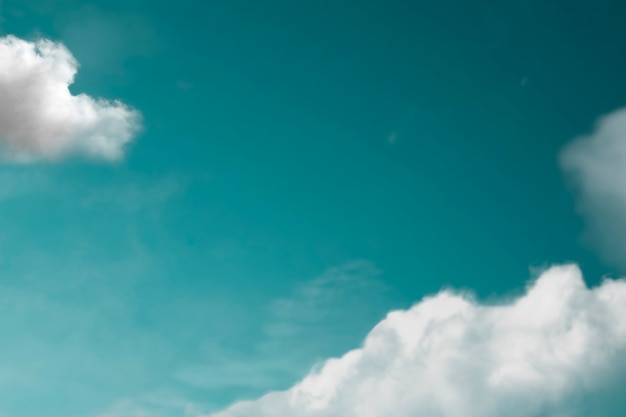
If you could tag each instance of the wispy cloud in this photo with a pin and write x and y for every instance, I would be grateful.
(546, 353)
(163, 403)
(281, 353)
(348, 288)
(595, 165)
(39, 117)
(334, 309)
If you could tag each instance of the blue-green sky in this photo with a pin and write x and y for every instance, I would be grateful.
(302, 168)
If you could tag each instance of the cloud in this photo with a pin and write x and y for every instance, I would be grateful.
(351, 290)
(40, 119)
(320, 317)
(596, 166)
(163, 403)
(548, 352)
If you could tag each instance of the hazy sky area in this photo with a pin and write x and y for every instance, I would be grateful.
(236, 208)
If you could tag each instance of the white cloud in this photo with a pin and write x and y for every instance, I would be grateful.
(546, 353)
(40, 119)
(596, 166)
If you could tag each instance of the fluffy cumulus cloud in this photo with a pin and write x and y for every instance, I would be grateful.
(596, 166)
(550, 352)
(40, 119)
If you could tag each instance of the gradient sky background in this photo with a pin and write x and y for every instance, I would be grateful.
(410, 145)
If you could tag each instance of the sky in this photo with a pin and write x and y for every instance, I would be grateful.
(312, 209)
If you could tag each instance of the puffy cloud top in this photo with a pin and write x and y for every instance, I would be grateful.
(596, 166)
(545, 353)
(39, 117)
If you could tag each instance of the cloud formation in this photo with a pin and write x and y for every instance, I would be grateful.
(40, 119)
(321, 317)
(337, 298)
(546, 353)
(596, 166)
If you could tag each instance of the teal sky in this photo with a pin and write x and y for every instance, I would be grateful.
(410, 145)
